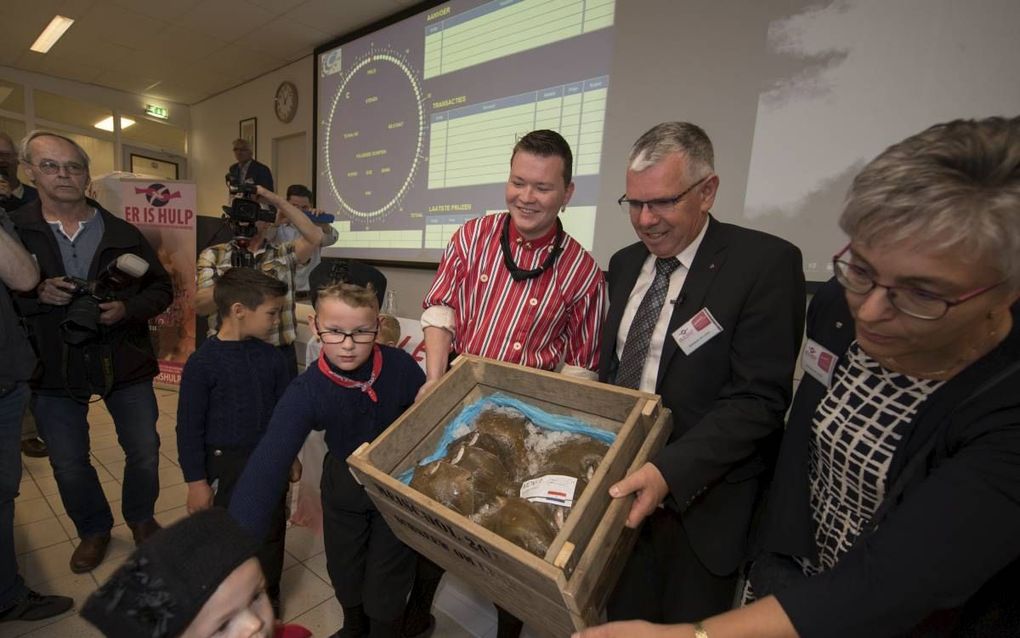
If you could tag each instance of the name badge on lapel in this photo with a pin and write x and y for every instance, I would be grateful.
(698, 329)
(819, 362)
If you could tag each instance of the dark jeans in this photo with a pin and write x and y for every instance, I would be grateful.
(12, 406)
(366, 562)
(225, 466)
(64, 426)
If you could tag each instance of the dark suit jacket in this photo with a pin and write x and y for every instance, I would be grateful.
(729, 396)
(258, 173)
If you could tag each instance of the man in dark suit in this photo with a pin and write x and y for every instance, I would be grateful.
(247, 167)
(710, 316)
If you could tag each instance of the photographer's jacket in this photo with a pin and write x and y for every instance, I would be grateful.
(127, 341)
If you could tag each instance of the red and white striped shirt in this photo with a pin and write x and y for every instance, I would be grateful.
(535, 322)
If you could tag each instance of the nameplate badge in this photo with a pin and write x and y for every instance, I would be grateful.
(699, 329)
(818, 361)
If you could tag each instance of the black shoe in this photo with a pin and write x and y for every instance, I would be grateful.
(142, 531)
(355, 623)
(35, 606)
(36, 448)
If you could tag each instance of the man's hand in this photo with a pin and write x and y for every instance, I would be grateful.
(200, 496)
(649, 486)
(636, 629)
(112, 312)
(55, 291)
(295, 471)
(424, 389)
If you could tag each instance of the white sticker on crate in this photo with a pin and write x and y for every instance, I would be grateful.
(554, 489)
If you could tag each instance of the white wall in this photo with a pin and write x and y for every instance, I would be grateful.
(214, 125)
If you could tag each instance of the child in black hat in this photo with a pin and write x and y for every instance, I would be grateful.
(195, 579)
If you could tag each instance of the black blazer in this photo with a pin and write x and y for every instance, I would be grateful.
(729, 396)
(258, 173)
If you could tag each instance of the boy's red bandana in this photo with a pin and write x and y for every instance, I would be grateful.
(341, 380)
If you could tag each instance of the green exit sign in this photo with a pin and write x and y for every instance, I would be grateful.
(157, 111)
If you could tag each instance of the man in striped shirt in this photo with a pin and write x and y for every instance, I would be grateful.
(514, 287)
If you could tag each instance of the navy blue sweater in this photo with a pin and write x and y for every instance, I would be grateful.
(228, 392)
(314, 402)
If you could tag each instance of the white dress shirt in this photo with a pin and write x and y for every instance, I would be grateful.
(650, 371)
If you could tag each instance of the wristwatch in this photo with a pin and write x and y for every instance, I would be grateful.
(699, 631)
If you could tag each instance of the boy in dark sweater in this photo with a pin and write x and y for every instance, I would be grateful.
(229, 388)
(355, 390)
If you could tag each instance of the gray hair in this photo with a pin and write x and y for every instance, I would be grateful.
(242, 142)
(955, 185)
(26, 154)
(674, 137)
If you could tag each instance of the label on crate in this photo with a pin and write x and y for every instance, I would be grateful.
(554, 489)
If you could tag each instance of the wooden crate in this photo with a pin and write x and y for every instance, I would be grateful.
(567, 589)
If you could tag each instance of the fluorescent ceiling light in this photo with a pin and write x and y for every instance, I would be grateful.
(107, 124)
(56, 28)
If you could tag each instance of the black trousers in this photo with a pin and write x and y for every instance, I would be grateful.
(366, 562)
(664, 581)
(225, 465)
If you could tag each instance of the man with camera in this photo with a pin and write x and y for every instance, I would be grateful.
(101, 282)
(255, 246)
(301, 196)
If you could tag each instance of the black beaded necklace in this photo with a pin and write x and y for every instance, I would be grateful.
(519, 274)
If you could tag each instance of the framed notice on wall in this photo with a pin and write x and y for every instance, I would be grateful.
(248, 130)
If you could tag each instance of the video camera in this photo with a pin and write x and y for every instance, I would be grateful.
(81, 324)
(244, 209)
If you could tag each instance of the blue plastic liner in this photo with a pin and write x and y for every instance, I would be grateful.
(465, 420)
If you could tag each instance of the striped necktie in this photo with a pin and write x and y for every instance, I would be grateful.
(635, 350)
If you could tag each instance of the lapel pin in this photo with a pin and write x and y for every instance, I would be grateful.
(839, 324)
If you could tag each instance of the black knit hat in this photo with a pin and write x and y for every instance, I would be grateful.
(345, 271)
(160, 589)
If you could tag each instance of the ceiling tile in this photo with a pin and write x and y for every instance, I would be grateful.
(181, 44)
(340, 18)
(162, 10)
(107, 22)
(288, 40)
(227, 19)
(277, 7)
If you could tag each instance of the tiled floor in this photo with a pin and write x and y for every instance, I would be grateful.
(45, 538)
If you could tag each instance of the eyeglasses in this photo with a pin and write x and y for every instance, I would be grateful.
(334, 336)
(657, 206)
(913, 302)
(49, 167)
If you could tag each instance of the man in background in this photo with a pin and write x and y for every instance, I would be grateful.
(248, 168)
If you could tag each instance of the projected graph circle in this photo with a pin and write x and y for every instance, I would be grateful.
(370, 167)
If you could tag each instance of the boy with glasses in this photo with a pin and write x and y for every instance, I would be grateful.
(354, 392)
(229, 388)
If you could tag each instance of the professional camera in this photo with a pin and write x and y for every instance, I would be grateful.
(81, 324)
(244, 209)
